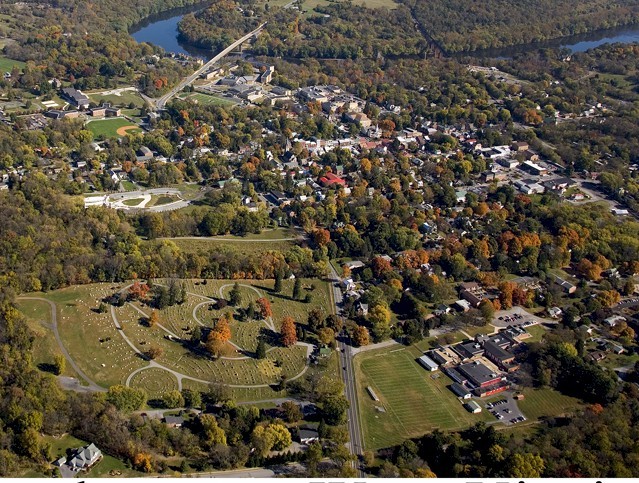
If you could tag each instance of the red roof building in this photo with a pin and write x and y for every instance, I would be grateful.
(330, 180)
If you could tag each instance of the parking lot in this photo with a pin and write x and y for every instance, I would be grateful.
(518, 316)
(506, 411)
(628, 303)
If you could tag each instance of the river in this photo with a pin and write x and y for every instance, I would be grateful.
(161, 30)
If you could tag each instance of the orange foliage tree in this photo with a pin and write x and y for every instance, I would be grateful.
(264, 307)
(289, 334)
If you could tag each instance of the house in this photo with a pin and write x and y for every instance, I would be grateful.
(460, 391)
(564, 284)
(348, 284)
(462, 305)
(75, 97)
(614, 320)
(174, 421)
(308, 436)
(355, 265)
(362, 309)
(83, 458)
(554, 312)
(144, 154)
(519, 146)
(442, 309)
(428, 363)
(331, 180)
(472, 407)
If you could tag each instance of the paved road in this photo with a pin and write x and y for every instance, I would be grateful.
(190, 79)
(348, 374)
(92, 386)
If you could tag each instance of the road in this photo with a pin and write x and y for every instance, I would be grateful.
(348, 375)
(245, 473)
(160, 103)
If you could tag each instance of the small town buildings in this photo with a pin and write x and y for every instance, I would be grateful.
(460, 390)
(75, 97)
(174, 421)
(331, 180)
(308, 436)
(614, 320)
(472, 407)
(428, 363)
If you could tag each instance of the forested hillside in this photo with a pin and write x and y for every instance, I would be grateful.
(461, 25)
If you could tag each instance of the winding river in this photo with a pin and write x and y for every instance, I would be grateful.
(161, 30)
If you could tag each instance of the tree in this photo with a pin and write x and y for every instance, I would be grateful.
(210, 432)
(278, 282)
(196, 336)
(250, 311)
(154, 352)
(297, 289)
(292, 412)
(608, 298)
(487, 310)
(315, 319)
(379, 317)
(334, 409)
(260, 351)
(143, 462)
(326, 336)
(288, 332)
(59, 364)
(270, 437)
(264, 307)
(525, 465)
(192, 399)
(321, 237)
(154, 318)
(126, 399)
(235, 296)
(361, 336)
(173, 399)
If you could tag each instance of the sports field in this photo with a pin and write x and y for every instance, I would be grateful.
(114, 127)
(538, 403)
(415, 401)
(208, 100)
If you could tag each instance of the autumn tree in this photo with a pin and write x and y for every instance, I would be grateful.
(154, 352)
(608, 298)
(379, 317)
(380, 266)
(321, 237)
(272, 436)
(288, 332)
(138, 291)
(143, 462)
(154, 318)
(264, 307)
(361, 336)
(210, 432)
(326, 336)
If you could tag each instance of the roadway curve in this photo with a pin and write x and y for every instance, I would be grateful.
(348, 375)
(161, 102)
(92, 386)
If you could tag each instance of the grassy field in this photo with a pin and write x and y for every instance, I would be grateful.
(205, 245)
(415, 401)
(537, 331)
(45, 347)
(124, 99)
(158, 200)
(156, 382)
(108, 127)
(208, 100)
(128, 185)
(546, 402)
(133, 201)
(6, 65)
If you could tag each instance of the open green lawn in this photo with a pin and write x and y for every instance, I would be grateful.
(536, 331)
(133, 201)
(416, 401)
(157, 200)
(546, 402)
(108, 127)
(122, 100)
(128, 185)
(45, 347)
(209, 100)
(156, 382)
(6, 65)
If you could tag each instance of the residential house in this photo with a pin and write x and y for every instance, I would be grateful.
(174, 421)
(83, 458)
(308, 436)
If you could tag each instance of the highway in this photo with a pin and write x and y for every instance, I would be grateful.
(161, 102)
(348, 375)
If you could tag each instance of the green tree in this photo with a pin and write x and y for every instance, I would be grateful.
(334, 409)
(297, 289)
(59, 364)
(192, 399)
(278, 282)
(235, 296)
(379, 317)
(210, 432)
(126, 399)
(173, 399)
(260, 351)
(526, 465)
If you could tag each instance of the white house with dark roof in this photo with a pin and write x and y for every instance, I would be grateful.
(83, 458)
